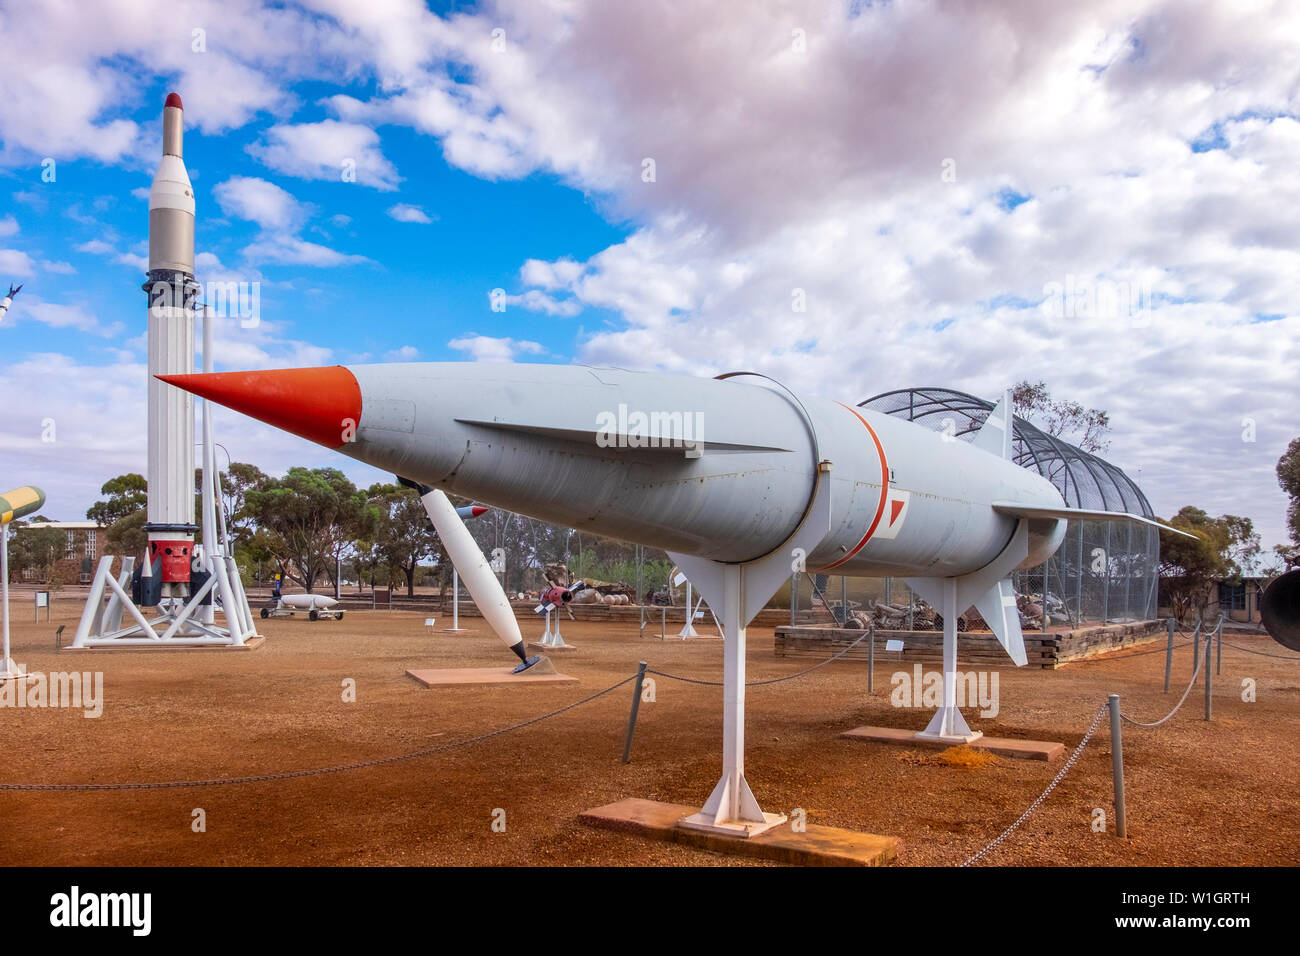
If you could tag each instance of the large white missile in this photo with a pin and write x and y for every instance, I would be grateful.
(171, 289)
(740, 481)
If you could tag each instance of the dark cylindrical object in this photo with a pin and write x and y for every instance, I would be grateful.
(1279, 609)
(871, 659)
(636, 706)
(1169, 654)
(1117, 767)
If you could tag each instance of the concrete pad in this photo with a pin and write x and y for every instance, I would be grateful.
(816, 846)
(1002, 746)
(252, 644)
(486, 677)
(551, 648)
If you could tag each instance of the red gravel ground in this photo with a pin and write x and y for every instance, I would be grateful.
(1198, 793)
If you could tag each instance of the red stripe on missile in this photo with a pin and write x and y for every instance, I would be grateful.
(320, 404)
(884, 493)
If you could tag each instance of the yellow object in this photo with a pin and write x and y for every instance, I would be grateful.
(20, 502)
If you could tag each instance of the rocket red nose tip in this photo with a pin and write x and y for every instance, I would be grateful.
(478, 510)
(173, 99)
(320, 404)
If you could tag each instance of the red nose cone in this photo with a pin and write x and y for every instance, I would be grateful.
(320, 404)
(173, 99)
(477, 510)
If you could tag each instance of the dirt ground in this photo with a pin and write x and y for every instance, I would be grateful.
(1219, 793)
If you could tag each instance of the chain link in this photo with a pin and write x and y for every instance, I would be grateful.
(1101, 712)
(316, 771)
(1190, 684)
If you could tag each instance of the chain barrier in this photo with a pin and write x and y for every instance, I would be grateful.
(1001, 837)
(761, 683)
(1280, 657)
(1190, 684)
(316, 771)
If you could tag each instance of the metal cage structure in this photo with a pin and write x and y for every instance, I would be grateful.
(1104, 571)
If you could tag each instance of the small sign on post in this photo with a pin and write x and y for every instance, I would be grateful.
(42, 601)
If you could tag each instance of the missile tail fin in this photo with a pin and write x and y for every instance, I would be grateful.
(1018, 509)
(996, 433)
(998, 608)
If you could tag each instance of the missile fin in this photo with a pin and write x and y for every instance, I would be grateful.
(998, 608)
(624, 441)
(1018, 510)
(996, 433)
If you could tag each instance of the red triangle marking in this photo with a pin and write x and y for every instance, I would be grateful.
(895, 510)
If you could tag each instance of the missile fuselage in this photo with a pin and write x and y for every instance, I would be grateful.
(171, 293)
(722, 469)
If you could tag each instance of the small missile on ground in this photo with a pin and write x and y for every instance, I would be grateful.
(8, 300)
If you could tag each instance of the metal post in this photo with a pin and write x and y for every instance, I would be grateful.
(1209, 678)
(1218, 658)
(663, 622)
(636, 705)
(455, 599)
(794, 596)
(1169, 653)
(4, 594)
(1196, 647)
(871, 659)
(1044, 604)
(1117, 767)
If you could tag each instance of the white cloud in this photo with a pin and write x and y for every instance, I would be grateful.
(485, 348)
(329, 150)
(15, 262)
(259, 201)
(405, 212)
(8, 226)
(407, 353)
(280, 217)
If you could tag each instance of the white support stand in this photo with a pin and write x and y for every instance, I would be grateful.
(180, 622)
(688, 629)
(552, 640)
(455, 602)
(948, 724)
(8, 669)
(948, 596)
(741, 590)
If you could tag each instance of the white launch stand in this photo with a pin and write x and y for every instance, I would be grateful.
(741, 591)
(455, 603)
(8, 669)
(553, 640)
(688, 629)
(188, 623)
(950, 594)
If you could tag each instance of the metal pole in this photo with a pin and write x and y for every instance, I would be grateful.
(871, 659)
(1117, 767)
(794, 595)
(4, 592)
(663, 622)
(1218, 659)
(1169, 654)
(455, 599)
(636, 705)
(1209, 678)
(1196, 647)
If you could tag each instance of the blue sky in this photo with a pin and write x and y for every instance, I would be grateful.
(850, 198)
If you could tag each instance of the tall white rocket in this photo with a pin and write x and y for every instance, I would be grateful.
(172, 290)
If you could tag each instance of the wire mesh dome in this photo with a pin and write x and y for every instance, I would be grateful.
(1104, 570)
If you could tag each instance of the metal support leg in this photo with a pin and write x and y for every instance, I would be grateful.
(948, 723)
